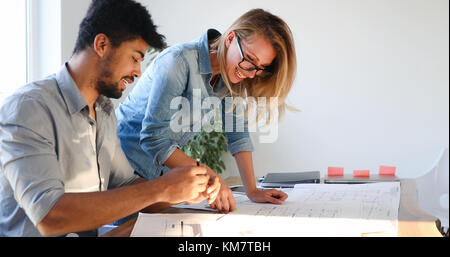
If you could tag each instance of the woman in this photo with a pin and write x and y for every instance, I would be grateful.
(254, 57)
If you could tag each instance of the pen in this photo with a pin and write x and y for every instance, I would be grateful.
(182, 229)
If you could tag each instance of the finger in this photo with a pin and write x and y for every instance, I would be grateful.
(214, 184)
(214, 189)
(212, 205)
(273, 200)
(273, 197)
(283, 195)
(278, 194)
(218, 204)
(211, 180)
(198, 170)
(200, 189)
(212, 197)
(226, 204)
(201, 179)
(232, 203)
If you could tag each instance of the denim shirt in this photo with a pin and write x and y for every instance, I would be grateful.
(46, 151)
(144, 118)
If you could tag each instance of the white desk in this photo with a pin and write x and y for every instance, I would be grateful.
(412, 221)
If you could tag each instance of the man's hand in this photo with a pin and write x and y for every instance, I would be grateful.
(211, 191)
(220, 196)
(185, 184)
(224, 202)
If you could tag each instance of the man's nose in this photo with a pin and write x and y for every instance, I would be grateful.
(137, 71)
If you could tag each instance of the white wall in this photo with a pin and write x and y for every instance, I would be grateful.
(72, 12)
(53, 31)
(372, 81)
(13, 48)
(44, 38)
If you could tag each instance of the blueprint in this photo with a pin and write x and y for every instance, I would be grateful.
(310, 210)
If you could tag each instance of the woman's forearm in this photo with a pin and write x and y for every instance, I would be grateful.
(244, 162)
(179, 159)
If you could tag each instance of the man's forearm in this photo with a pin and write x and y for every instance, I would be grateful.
(85, 211)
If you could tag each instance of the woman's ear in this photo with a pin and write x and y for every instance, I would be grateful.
(230, 36)
(101, 44)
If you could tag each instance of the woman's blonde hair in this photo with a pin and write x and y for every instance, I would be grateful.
(284, 66)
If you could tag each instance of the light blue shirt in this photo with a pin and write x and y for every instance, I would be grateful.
(144, 117)
(50, 145)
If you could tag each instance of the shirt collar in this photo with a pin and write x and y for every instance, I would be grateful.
(204, 62)
(75, 102)
(73, 98)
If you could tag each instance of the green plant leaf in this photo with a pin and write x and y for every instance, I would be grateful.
(208, 147)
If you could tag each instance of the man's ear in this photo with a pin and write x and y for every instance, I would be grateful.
(101, 44)
(230, 37)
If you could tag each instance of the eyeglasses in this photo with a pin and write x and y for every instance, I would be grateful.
(247, 65)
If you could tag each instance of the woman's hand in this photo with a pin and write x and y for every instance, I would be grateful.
(267, 196)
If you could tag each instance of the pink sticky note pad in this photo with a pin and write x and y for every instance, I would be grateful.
(387, 170)
(361, 173)
(335, 171)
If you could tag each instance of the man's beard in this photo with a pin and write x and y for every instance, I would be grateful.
(104, 84)
(108, 88)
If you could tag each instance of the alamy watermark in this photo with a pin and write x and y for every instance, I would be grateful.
(240, 115)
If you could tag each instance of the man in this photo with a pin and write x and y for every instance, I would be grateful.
(62, 167)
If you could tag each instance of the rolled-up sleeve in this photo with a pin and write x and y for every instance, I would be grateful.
(166, 80)
(122, 173)
(239, 142)
(27, 157)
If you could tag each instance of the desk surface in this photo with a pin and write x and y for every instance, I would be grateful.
(412, 221)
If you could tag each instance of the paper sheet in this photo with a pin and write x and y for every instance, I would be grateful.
(310, 210)
(174, 225)
(379, 201)
(226, 225)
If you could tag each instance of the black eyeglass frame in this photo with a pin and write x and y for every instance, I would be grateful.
(265, 71)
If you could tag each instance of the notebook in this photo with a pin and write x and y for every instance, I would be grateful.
(289, 179)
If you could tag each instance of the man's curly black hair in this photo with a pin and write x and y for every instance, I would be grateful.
(120, 20)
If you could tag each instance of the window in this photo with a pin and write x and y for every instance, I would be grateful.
(13, 46)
